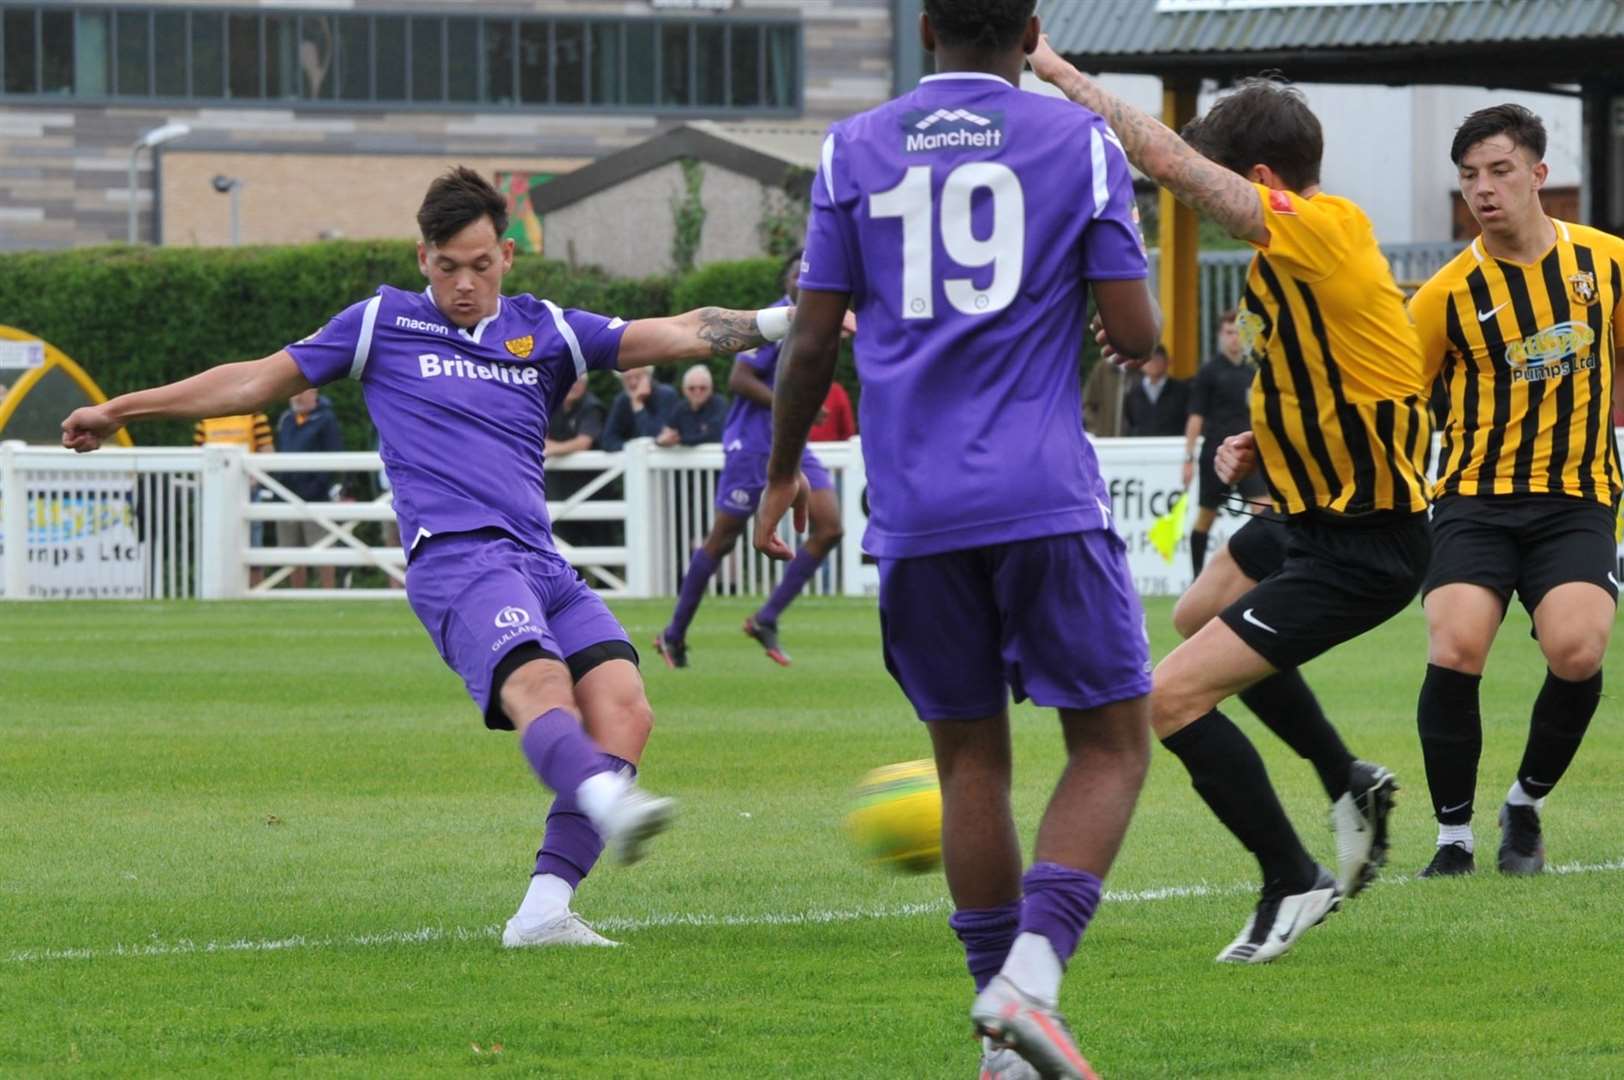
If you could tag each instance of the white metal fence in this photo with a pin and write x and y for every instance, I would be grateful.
(165, 523)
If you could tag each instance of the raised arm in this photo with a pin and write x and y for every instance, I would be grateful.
(1153, 147)
(697, 334)
(227, 390)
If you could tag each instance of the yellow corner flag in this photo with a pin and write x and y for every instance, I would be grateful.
(1167, 530)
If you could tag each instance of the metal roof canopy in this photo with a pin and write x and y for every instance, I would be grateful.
(1545, 45)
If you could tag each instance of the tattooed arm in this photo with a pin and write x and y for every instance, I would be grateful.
(1226, 197)
(693, 335)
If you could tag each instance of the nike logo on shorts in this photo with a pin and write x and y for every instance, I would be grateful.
(1255, 621)
(1617, 584)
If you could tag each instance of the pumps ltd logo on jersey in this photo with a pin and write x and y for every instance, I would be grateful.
(951, 129)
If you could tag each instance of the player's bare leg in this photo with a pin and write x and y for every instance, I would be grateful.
(1108, 753)
(671, 643)
(538, 697)
(1462, 620)
(1573, 623)
(823, 512)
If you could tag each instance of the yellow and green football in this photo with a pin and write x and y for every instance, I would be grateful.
(896, 817)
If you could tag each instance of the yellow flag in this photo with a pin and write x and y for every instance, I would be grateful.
(1168, 530)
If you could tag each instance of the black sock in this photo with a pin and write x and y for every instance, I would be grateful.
(1227, 773)
(1288, 708)
(1562, 712)
(1451, 741)
(1198, 551)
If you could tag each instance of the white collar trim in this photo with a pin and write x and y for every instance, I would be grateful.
(965, 75)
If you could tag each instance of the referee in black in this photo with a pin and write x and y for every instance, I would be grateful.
(1220, 406)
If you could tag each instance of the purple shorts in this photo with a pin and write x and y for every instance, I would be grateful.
(1055, 619)
(744, 476)
(481, 594)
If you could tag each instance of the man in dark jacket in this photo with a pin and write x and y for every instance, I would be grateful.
(699, 417)
(640, 409)
(1156, 405)
(309, 426)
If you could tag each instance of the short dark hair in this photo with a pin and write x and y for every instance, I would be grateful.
(1521, 125)
(458, 198)
(980, 24)
(1229, 315)
(791, 261)
(1265, 121)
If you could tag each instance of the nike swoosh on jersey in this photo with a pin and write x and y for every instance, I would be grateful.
(1255, 621)
(1485, 316)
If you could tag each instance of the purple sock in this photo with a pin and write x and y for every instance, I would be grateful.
(571, 846)
(987, 934)
(559, 752)
(693, 591)
(1057, 902)
(796, 574)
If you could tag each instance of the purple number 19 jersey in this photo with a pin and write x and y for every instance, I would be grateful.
(965, 219)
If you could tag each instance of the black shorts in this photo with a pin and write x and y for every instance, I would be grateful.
(1339, 578)
(1212, 491)
(1529, 544)
(1259, 546)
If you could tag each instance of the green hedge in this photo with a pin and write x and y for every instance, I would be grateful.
(135, 317)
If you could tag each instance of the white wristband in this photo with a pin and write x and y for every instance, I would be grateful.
(773, 322)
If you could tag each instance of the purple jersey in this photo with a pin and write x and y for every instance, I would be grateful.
(461, 414)
(749, 427)
(965, 219)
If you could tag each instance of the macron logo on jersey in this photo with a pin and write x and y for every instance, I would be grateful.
(951, 129)
(407, 323)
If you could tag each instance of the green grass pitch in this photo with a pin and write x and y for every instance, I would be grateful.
(252, 839)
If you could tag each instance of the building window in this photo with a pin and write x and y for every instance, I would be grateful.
(173, 54)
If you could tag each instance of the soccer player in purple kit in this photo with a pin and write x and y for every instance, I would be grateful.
(460, 380)
(746, 439)
(949, 219)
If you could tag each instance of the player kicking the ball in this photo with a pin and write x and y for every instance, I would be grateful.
(1340, 427)
(459, 380)
(968, 222)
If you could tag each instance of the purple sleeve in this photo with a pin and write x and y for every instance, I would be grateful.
(826, 265)
(597, 337)
(1113, 250)
(339, 349)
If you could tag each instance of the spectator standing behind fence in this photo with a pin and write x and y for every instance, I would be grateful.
(1220, 406)
(1157, 405)
(836, 421)
(1102, 401)
(251, 431)
(639, 410)
(308, 427)
(699, 416)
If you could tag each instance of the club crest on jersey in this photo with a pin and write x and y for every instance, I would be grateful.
(521, 346)
(951, 129)
(1582, 287)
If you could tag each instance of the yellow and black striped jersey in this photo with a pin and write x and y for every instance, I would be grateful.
(252, 430)
(1525, 355)
(1338, 409)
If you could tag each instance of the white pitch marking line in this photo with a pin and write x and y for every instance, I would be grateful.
(427, 934)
